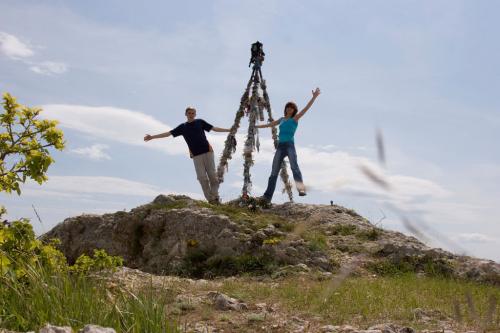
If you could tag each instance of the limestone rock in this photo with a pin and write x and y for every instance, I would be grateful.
(96, 329)
(225, 303)
(204, 328)
(384, 328)
(48, 328)
(173, 234)
(329, 329)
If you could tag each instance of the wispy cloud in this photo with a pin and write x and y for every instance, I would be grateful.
(49, 68)
(94, 152)
(474, 238)
(114, 124)
(84, 186)
(15, 49)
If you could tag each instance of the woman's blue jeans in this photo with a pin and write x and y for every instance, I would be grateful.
(284, 149)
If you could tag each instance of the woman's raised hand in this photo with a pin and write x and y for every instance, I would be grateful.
(316, 92)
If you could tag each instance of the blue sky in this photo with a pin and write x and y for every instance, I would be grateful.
(426, 73)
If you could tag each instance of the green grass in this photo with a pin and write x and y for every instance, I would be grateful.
(317, 241)
(343, 229)
(178, 204)
(365, 301)
(253, 220)
(76, 300)
(256, 317)
(431, 266)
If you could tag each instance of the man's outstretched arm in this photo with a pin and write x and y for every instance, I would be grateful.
(218, 129)
(148, 137)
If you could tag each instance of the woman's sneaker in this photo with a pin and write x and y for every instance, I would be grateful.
(264, 202)
(301, 188)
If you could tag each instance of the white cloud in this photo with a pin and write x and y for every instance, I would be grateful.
(324, 171)
(119, 125)
(49, 68)
(94, 152)
(474, 238)
(87, 186)
(13, 48)
(340, 171)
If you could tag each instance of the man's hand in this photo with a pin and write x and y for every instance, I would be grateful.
(148, 137)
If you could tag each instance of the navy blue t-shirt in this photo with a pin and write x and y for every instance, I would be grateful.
(193, 133)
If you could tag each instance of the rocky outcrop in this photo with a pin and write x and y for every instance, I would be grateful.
(178, 235)
(174, 235)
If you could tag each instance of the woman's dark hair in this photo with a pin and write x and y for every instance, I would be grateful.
(293, 106)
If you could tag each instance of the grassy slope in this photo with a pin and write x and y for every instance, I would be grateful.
(364, 301)
(359, 301)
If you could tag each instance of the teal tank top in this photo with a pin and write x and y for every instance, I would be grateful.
(287, 129)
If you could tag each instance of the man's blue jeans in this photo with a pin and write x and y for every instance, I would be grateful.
(284, 149)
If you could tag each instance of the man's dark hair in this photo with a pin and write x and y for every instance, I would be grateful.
(189, 108)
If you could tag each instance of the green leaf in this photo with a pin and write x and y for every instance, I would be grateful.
(29, 157)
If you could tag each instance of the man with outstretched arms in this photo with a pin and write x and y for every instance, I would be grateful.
(193, 131)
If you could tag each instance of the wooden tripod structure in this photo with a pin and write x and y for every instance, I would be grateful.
(253, 106)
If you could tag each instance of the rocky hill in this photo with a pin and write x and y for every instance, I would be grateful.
(288, 268)
(176, 235)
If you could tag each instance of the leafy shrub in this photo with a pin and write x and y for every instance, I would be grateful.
(203, 262)
(35, 279)
(24, 140)
(100, 260)
(21, 251)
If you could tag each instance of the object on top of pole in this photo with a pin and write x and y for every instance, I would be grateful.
(257, 55)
